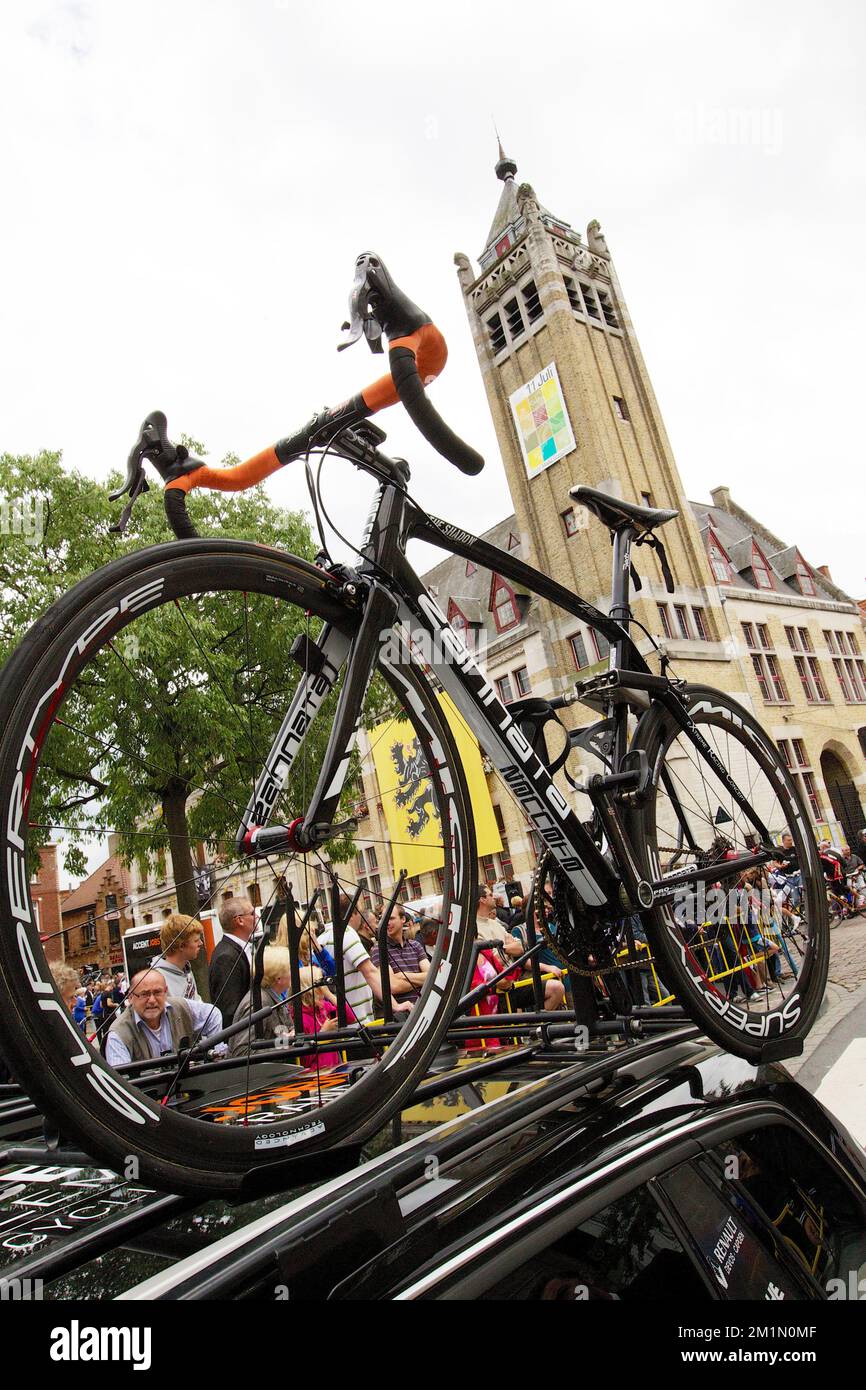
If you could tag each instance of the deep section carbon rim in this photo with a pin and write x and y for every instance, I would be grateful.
(143, 706)
(741, 960)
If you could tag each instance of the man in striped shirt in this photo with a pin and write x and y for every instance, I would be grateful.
(363, 982)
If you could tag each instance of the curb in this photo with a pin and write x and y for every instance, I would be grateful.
(835, 1007)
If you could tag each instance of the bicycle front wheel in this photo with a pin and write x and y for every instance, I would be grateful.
(139, 712)
(726, 947)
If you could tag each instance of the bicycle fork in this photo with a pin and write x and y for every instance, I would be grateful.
(321, 661)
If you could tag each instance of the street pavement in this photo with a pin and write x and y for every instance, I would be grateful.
(833, 1064)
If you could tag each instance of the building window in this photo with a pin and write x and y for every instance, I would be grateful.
(804, 577)
(496, 332)
(506, 862)
(521, 681)
(682, 617)
(807, 666)
(573, 295)
(254, 893)
(607, 309)
(852, 679)
(415, 886)
(457, 619)
(719, 562)
(503, 690)
(850, 670)
(513, 541)
(488, 864)
(761, 570)
(506, 613)
(797, 763)
(531, 302)
(589, 300)
(766, 667)
(601, 644)
(701, 627)
(578, 650)
(647, 499)
(665, 618)
(621, 408)
(514, 319)
(569, 521)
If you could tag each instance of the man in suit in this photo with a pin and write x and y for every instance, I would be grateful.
(229, 969)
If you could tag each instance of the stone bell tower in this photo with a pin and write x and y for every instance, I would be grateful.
(572, 402)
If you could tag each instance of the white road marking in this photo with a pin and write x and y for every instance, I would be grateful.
(843, 1089)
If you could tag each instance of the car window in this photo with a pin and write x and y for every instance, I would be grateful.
(739, 1262)
(782, 1182)
(626, 1251)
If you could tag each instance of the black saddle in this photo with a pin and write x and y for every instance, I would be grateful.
(617, 514)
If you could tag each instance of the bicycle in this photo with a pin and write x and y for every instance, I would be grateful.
(141, 638)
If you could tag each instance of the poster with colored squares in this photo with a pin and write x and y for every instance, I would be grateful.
(543, 426)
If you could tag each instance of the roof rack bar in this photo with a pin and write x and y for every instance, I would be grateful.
(86, 1245)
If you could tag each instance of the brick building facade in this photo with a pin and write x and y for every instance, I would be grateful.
(93, 920)
(47, 899)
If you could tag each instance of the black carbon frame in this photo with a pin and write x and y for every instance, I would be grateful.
(396, 593)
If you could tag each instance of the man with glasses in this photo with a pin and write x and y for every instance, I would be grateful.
(228, 974)
(155, 1024)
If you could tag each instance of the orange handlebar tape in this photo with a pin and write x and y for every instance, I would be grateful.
(236, 479)
(431, 354)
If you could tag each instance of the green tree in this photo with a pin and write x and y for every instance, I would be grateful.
(162, 735)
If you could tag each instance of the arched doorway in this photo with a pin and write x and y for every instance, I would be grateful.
(843, 795)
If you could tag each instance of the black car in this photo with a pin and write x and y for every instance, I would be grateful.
(659, 1171)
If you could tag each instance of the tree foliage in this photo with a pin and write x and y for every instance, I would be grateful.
(164, 732)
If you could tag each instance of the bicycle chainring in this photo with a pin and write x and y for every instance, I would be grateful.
(585, 939)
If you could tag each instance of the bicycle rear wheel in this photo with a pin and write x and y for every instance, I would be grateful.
(718, 942)
(143, 706)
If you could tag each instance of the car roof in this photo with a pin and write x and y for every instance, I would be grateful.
(377, 1231)
(520, 1126)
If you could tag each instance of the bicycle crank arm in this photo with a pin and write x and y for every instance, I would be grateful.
(635, 893)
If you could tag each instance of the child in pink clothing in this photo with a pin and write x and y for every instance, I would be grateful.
(319, 1015)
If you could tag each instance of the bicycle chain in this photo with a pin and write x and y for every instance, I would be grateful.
(537, 897)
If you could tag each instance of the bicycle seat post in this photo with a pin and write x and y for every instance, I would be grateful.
(620, 607)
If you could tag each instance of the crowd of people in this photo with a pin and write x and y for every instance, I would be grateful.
(161, 1006)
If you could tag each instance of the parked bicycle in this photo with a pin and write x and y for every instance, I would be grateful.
(289, 649)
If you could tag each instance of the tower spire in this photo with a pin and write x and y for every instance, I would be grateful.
(505, 167)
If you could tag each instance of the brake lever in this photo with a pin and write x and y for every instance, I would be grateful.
(362, 322)
(139, 486)
(153, 443)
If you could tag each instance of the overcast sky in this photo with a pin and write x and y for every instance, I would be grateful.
(186, 186)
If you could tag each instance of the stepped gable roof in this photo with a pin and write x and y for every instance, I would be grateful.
(86, 893)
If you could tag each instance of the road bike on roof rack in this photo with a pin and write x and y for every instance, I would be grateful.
(691, 792)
